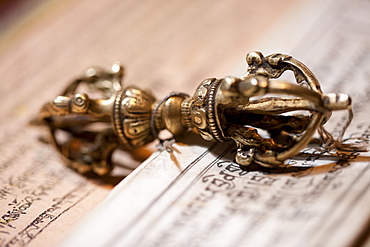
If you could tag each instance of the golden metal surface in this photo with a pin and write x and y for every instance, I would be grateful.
(220, 110)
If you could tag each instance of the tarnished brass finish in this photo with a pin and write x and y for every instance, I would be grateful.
(123, 114)
(220, 110)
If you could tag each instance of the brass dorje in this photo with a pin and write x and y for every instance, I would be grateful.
(220, 110)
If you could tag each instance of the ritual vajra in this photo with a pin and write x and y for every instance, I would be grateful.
(270, 120)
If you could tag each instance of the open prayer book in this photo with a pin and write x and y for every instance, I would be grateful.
(194, 194)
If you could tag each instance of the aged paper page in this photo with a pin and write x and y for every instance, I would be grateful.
(165, 46)
(40, 199)
(197, 196)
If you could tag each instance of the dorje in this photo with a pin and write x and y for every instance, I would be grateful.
(220, 110)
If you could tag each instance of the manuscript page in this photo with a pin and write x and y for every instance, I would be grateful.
(197, 196)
